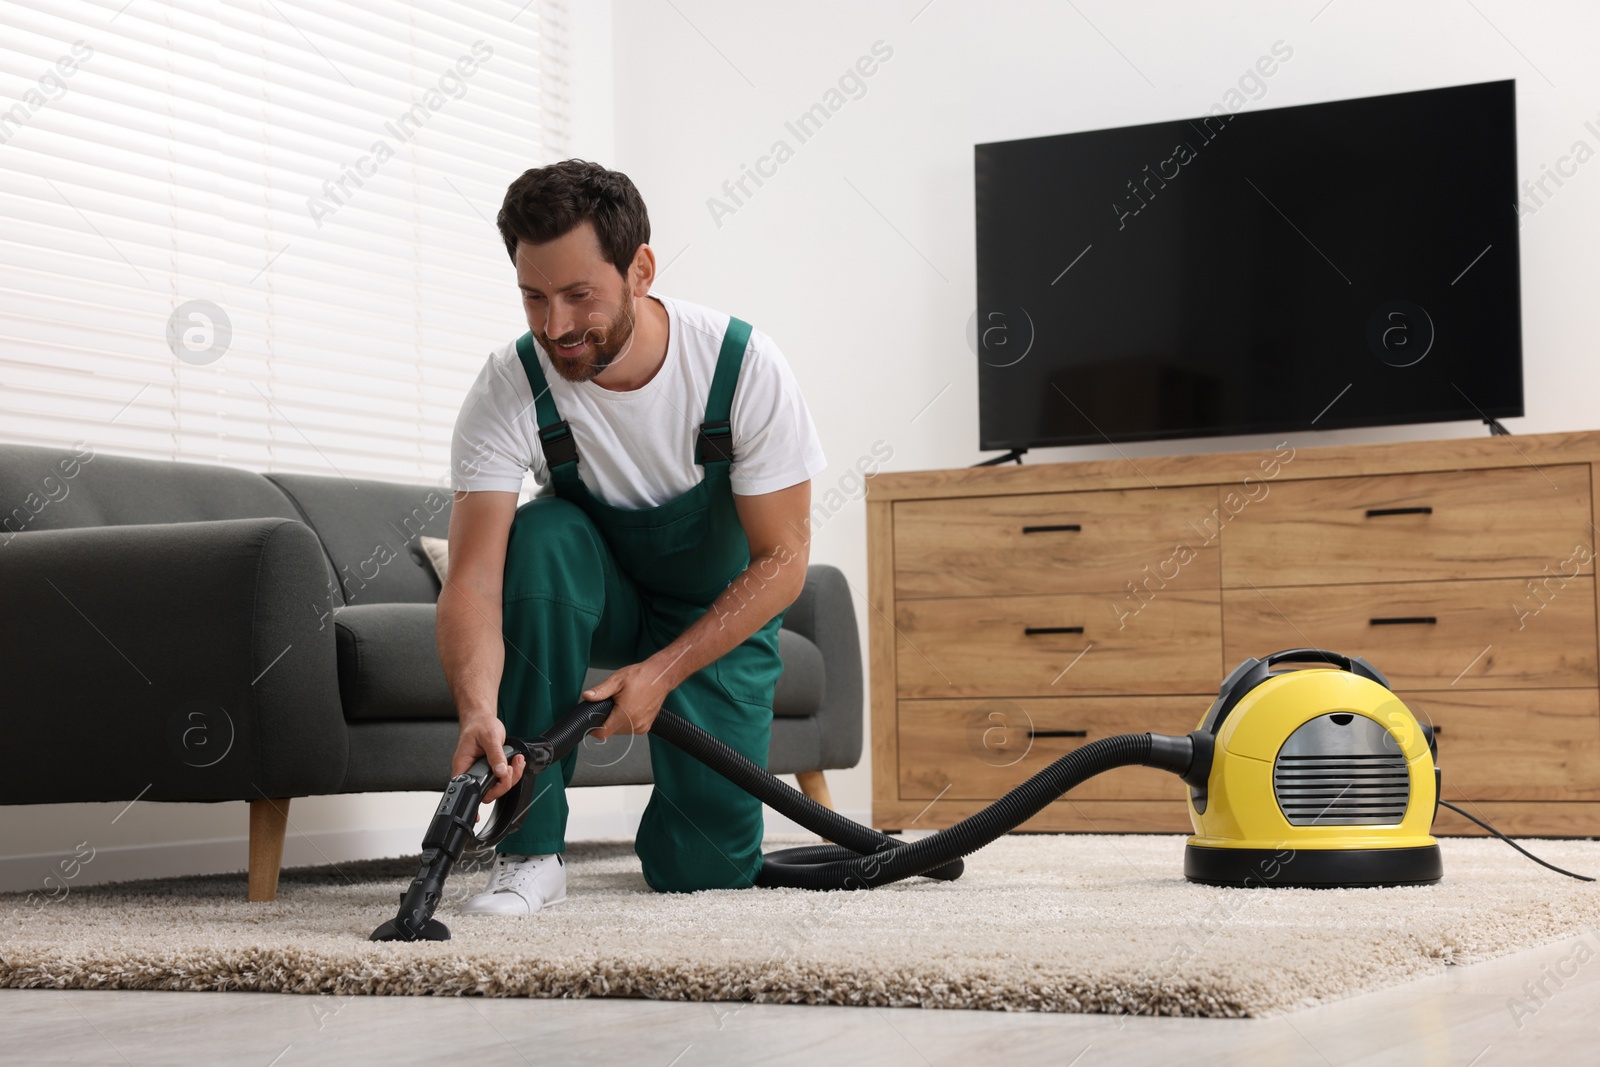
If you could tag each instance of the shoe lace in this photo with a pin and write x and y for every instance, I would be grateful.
(508, 873)
(501, 877)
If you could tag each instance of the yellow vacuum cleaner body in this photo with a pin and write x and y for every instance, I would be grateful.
(1320, 777)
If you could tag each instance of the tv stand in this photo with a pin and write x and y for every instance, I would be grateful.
(1495, 429)
(1014, 454)
(1020, 613)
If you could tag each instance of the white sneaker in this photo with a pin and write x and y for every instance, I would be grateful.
(520, 885)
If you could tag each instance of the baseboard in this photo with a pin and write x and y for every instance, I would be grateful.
(217, 855)
(221, 855)
(779, 824)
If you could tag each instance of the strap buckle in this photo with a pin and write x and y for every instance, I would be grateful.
(560, 447)
(715, 443)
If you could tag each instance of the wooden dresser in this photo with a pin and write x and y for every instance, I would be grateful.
(1019, 612)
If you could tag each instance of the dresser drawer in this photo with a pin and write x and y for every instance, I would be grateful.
(1514, 744)
(1065, 645)
(1507, 522)
(982, 749)
(1056, 542)
(1428, 635)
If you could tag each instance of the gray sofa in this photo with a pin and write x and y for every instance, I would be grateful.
(190, 632)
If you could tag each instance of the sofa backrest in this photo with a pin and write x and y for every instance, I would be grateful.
(70, 487)
(371, 531)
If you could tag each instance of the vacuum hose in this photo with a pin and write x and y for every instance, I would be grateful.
(861, 858)
(864, 858)
(854, 840)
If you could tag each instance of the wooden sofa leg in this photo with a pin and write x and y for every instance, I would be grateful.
(815, 785)
(268, 821)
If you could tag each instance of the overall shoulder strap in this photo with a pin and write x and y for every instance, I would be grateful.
(715, 442)
(555, 436)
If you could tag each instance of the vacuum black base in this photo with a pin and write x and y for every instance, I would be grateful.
(434, 930)
(1307, 868)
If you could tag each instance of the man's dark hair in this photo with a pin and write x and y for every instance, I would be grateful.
(547, 202)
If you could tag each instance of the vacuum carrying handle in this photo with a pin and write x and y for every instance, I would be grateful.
(1353, 664)
(1295, 654)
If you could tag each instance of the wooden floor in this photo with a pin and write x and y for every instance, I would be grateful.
(1479, 1016)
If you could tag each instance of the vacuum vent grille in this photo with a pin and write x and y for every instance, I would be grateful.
(1341, 770)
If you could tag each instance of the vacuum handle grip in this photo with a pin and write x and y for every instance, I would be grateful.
(541, 752)
(481, 770)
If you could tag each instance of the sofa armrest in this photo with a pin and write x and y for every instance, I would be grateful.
(183, 661)
(825, 614)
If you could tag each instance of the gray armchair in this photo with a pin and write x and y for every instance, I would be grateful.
(204, 633)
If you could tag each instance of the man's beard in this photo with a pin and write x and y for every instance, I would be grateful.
(606, 344)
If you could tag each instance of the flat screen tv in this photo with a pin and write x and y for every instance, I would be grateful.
(1305, 268)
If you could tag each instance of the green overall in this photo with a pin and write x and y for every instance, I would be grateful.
(590, 584)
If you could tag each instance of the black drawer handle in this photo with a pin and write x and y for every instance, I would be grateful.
(1405, 620)
(1058, 733)
(1374, 513)
(1032, 631)
(1070, 527)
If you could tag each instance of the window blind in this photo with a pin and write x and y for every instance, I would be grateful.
(261, 232)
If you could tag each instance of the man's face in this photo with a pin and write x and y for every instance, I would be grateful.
(579, 308)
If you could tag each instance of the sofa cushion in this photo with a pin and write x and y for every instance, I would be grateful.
(389, 663)
(437, 550)
(802, 684)
(389, 667)
(371, 531)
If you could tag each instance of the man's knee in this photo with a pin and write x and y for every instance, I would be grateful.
(553, 549)
(700, 838)
(669, 870)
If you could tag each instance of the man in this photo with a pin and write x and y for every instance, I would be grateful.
(675, 455)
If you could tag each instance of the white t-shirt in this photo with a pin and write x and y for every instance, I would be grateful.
(636, 448)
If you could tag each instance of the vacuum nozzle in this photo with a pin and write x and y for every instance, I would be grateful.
(453, 821)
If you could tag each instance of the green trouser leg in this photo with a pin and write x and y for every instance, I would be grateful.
(700, 831)
(567, 606)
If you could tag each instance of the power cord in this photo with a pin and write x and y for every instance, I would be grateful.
(1513, 844)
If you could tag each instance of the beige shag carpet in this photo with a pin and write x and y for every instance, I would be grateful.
(1038, 923)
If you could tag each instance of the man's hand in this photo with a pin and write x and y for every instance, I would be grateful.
(776, 525)
(485, 735)
(637, 692)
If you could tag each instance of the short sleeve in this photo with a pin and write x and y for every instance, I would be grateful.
(775, 443)
(490, 449)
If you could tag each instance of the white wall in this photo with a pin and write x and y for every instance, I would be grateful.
(857, 256)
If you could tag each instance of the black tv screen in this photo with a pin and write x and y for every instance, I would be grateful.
(1329, 265)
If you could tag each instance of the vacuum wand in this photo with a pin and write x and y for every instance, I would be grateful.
(454, 819)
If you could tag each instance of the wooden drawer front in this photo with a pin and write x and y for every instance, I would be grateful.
(1510, 744)
(1480, 637)
(979, 646)
(1482, 524)
(981, 749)
(1056, 543)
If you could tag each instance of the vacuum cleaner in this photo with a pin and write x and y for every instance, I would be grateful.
(1315, 776)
